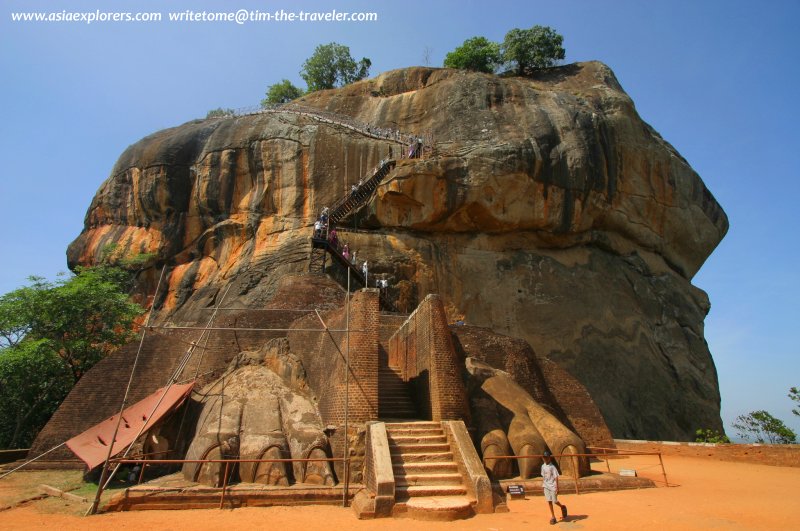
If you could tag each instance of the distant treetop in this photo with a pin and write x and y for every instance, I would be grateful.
(478, 54)
(332, 66)
(538, 47)
(522, 51)
(219, 112)
(282, 92)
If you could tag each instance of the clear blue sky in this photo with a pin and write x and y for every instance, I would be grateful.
(718, 79)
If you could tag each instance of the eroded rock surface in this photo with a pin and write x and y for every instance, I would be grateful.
(550, 211)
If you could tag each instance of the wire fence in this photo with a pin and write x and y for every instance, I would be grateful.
(602, 454)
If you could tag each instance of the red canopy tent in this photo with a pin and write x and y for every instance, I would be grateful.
(91, 446)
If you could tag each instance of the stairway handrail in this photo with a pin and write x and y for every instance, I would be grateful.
(380, 133)
(335, 251)
(377, 174)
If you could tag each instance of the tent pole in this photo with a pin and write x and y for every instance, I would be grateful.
(96, 502)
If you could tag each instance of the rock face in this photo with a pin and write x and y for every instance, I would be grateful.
(549, 211)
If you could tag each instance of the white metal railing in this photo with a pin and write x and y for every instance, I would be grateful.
(380, 133)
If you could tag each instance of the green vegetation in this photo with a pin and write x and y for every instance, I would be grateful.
(34, 381)
(763, 428)
(711, 436)
(51, 333)
(282, 92)
(219, 112)
(794, 394)
(522, 51)
(529, 49)
(332, 66)
(478, 54)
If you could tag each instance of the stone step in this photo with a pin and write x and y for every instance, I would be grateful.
(418, 431)
(397, 414)
(418, 424)
(391, 390)
(406, 492)
(426, 467)
(400, 459)
(410, 480)
(402, 402)
(398, 407)
(400, 439)
(418, 448)
(404, 406)
(384, 400)
(438, 508)
(395, 403)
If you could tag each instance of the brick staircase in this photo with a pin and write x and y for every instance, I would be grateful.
(394, 400)
(428, 484)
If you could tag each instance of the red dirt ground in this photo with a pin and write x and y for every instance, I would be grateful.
(706, 494)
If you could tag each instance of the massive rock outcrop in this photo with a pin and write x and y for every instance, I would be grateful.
(549, 211)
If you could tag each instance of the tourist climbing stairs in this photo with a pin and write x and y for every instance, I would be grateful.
(355, 199)
(321, 246)
(426, 474)
(320, 249)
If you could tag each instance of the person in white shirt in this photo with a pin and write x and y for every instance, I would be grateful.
(550, 485)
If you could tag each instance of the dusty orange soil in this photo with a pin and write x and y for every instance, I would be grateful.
(707, 494)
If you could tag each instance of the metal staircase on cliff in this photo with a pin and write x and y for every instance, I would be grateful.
(321, 246)
(346, 205)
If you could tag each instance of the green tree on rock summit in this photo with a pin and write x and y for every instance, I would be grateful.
(331, 66)
(478, 54)
(282, 92)
(537, 47)
(522, 50)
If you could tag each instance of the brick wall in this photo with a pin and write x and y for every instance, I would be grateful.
(574, 400)
(99, 393)
(424, 351)
(324, 358)
(787, 455)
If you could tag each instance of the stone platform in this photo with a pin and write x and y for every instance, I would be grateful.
(176, 493)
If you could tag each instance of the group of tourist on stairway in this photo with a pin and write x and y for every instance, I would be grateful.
(323, 226)
(321, 231)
